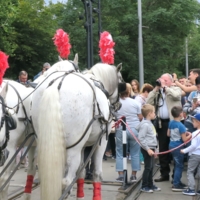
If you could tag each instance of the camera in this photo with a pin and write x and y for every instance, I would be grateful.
(158, 83)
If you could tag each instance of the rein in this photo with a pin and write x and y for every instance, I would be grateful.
(4, 119)
(21, 101)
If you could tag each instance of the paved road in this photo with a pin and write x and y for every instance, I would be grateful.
(166, 192)
(110, 192)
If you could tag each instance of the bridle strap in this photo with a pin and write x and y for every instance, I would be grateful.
(4, 119)
(75, 66)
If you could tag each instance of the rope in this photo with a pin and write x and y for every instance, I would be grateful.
(117, 123)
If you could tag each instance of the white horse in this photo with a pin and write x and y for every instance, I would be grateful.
(12, 93)
(63, 107)
(17, 99)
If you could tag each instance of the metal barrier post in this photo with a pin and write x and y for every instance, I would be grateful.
(124, 141)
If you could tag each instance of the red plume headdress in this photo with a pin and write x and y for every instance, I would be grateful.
(3, 65)
(106, 45)
(61, 40)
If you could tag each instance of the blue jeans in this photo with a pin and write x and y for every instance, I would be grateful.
(133, 147)
(178, 158)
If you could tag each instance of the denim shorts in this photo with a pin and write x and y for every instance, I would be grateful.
(132, 145)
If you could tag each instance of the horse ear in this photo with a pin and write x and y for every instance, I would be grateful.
(59, 58)
(119, 67)
(4, 91)
(76, 59)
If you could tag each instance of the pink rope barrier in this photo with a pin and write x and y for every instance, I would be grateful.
(117, 124)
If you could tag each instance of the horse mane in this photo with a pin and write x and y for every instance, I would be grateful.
(104, 72)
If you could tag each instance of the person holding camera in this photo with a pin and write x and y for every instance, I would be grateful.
(46, 66)
(192, 106)
(164, 96)
(194, 73)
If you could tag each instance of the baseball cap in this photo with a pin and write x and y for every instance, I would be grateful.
(196, 116)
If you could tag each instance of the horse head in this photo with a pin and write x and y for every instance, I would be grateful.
(109, 76)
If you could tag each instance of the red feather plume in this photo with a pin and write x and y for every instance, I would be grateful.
(3, 65)
(61, 40)
(106, 45)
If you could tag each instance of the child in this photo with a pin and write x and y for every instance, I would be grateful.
(177, 134)
(194, 159)
(147, 138)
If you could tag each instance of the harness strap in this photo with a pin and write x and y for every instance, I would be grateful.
(16, 152)
(109, 95)
(66, 73)
(88, 126)
(17, 109)
(15, 169)
(102, 89)
(21, 101)
(4, 118)
(75, 66)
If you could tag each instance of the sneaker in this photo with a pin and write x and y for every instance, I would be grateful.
(133, 179)
(120, 179)
(155, 188)
(113, 157)
(109, 155)
(177, 188)
(189, 192)
(183, 185)
(104, 157)
(198, 192)
(146, 189)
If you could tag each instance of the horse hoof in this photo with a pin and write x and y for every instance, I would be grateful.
(26, 196)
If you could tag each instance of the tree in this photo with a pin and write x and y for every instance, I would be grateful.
(169, 23)
(32, 26)
(8, 11)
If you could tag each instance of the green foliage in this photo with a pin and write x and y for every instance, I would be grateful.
(8, 13)
(28, 26)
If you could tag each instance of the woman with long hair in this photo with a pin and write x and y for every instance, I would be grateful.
(135, 87)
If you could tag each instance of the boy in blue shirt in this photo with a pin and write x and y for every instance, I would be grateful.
(177, 133)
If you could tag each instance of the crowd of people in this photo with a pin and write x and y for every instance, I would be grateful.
(174, 104)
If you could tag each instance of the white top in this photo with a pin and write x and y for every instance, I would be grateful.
(142, 100)
(163, 110)
(130, 109)
(194, 148)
